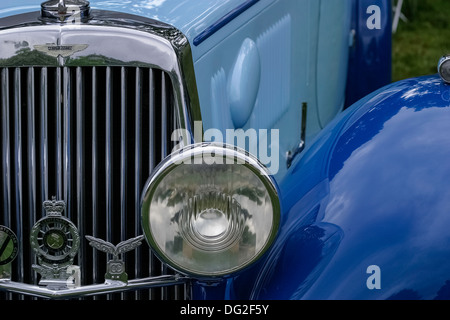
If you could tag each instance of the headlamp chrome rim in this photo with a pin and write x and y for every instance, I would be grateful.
(444, 68)
(240, 157)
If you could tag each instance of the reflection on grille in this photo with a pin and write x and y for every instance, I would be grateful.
(90, 136)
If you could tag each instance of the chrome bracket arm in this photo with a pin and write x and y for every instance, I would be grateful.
(109, 286)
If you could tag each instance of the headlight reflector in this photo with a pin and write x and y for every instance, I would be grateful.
(210, 210)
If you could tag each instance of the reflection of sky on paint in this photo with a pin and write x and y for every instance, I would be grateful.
(395, 182)
(189, 16)
(414, 93)
(421, 88)
(392, 158)
(150, 4)
(6, 11)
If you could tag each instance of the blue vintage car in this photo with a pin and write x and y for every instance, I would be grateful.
(238, 149)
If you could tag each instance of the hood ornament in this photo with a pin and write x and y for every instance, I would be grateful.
(66, 11)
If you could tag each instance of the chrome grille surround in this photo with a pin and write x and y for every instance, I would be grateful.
(89, 127)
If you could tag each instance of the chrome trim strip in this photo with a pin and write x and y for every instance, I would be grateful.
(107, 287)
(66, 157)
(223, 21)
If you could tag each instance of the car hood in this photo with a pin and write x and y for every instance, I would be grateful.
(190, 17)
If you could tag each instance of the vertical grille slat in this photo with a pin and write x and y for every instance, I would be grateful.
(94, 174)
(80, 169)
(44, 133)
(6, 154)
(151, 119)
(153, 263)
(31, 155)
(59, 134)
(108, 161)
(18, 169)
(163, 116)
(137, 165)
(123, 150)
(6, 149)
(90, 136)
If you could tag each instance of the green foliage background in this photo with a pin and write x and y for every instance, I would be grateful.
(419, 43)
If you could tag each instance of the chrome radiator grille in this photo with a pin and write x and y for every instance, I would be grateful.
(89, 136)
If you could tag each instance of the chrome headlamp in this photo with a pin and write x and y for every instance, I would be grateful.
(444, 68)
(210, 210)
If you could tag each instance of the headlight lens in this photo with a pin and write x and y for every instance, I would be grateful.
(210, 210)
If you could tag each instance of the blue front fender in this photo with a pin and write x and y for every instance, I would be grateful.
(368, 204)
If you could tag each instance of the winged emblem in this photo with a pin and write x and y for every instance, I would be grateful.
(115, 250)
(53, 272)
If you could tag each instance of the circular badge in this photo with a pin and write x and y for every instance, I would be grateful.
(9, 245)
(55, 240)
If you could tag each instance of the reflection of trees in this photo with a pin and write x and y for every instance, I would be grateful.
(406, 294)
(248, 237)
(253, 193)
(184, 184)
(244, 214)
(444, 292)
(191, 190)
(27, 57)
(304, 251)
(410, 294)
(176, 195)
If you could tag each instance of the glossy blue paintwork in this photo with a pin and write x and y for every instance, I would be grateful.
(370, 54)
(373, 190)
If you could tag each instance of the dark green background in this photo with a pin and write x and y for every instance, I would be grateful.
(419, 43)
